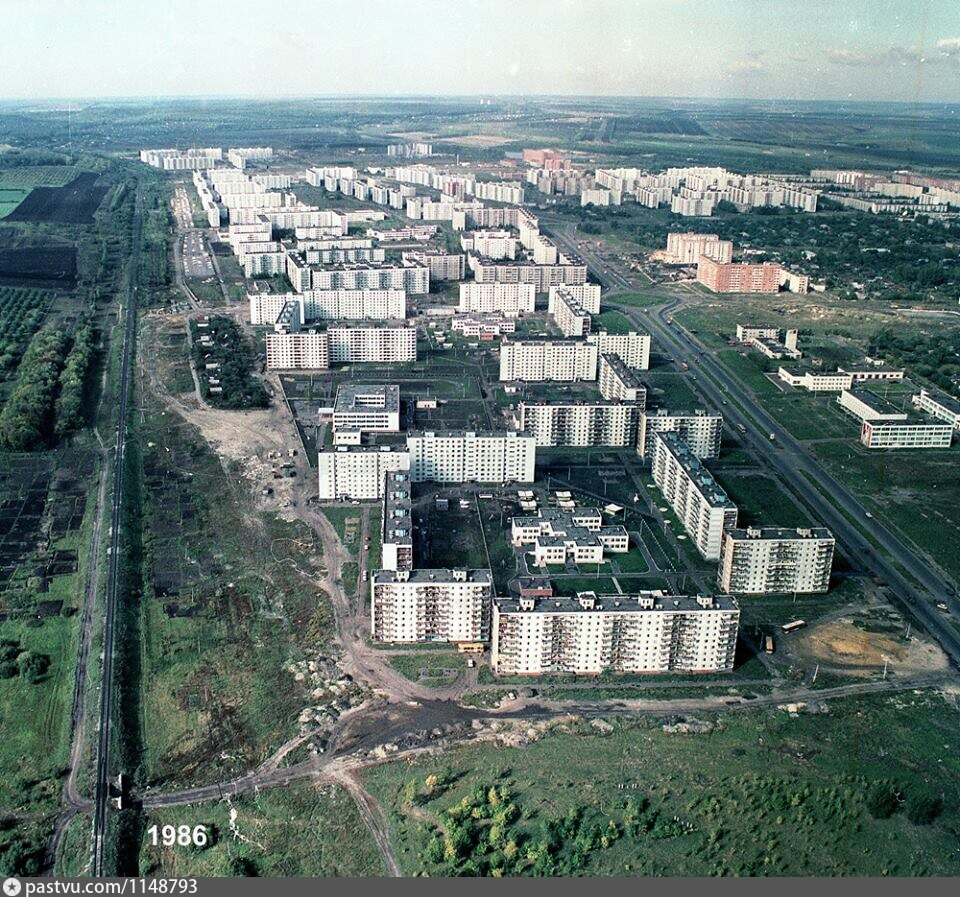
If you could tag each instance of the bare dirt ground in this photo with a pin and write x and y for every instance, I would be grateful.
(845, 647)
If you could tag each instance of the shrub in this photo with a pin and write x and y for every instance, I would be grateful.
(881, 800)
(924, 808)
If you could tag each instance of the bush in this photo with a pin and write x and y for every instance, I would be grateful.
(924, 808)
(881, 800)
(8, 669)
(33, 666)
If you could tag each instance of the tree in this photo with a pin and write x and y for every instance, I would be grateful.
(881, 800)
(8, 669)
(924, 808)
(33, 666)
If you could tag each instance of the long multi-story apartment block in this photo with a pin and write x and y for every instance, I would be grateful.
(442, 265)
(567, 270)
(700, 430)
(648, 632)
(396, 529)
(298, 350)
(182, 160)
(388, 342)
(358, 471)
(342, 305)
(492, 244)
(738, 277)
(510, 299)
(687, 248)
(619, 383)
(633, 347)
(695, 496)
(367, 408)
(556, 536)
(545, 359)
(472, 457)
(586, 294)
(940, 405)
(430, 605)
(572, 319)
(580, 423)
(410, 276)
(770, 560)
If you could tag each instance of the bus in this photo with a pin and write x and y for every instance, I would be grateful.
(768, 646)
(794, 626)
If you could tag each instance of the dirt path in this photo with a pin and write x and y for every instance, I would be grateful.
(373, 817)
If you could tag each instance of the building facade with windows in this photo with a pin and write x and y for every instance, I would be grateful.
(771, 560)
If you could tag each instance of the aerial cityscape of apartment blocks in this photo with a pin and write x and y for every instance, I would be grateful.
(579, 423)
(646, 632)
(695, 496)
(435, 605)
(770, 560)
(701, 431)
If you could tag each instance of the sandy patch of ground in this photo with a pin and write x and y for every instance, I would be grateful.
(841, 645)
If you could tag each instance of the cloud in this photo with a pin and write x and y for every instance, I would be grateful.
(946, 49)
(949, 46)
(742, 67)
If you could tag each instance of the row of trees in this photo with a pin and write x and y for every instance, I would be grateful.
(46, 402)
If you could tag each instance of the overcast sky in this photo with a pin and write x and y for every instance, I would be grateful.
(906, 50)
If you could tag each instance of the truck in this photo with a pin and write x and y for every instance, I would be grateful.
(773, 437)
(741, 428)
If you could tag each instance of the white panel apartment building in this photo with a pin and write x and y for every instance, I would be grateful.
(397, 525)
(580, 423)
(567, 270)
(633, 348)
(695, 496)
(587, 294)
(492, 244)
(342, 344)
(472, 457)
(430, 605)
(686, 248)
(650, 632)
(538, 359)
(342, 305)
(510, 299)
(618, 383)
(307, 350)
(700, 430)
(572, 319)
(771, 560)
(391, 342)
(412, 277)
(358, 471)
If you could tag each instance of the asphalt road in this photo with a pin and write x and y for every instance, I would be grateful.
(102, 780)
(790, 460)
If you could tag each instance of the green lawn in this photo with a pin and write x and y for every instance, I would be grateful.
(758, 793)
(613, 321)
(11, 197)
(302, 830)
(630, 562)
(761, 500)
(438, 665)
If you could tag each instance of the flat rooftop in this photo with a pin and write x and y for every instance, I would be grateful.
(641, 602)
(780, 533)
(358, 398)
(623, 373)
(441, 575)
(942, 399)
(711, 490)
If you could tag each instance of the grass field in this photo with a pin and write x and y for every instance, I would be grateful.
(433, 667)
(761, 501)
(301, 830)
(758, 793)
(38, 176)
(11, 197)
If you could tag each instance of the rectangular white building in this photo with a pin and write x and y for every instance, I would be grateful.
(648, 632)
(367, 408)
(580, 423)
(397, 524)
(771, 560)
(587, 294)
(510, 299)
(430, 605)
(905, 434)
(700, 430)
(695, 496)
(940, 405)
(544, 359)
(633, 347)
(619, 383)
(472, 457)
(358, 471)
(305, 350)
